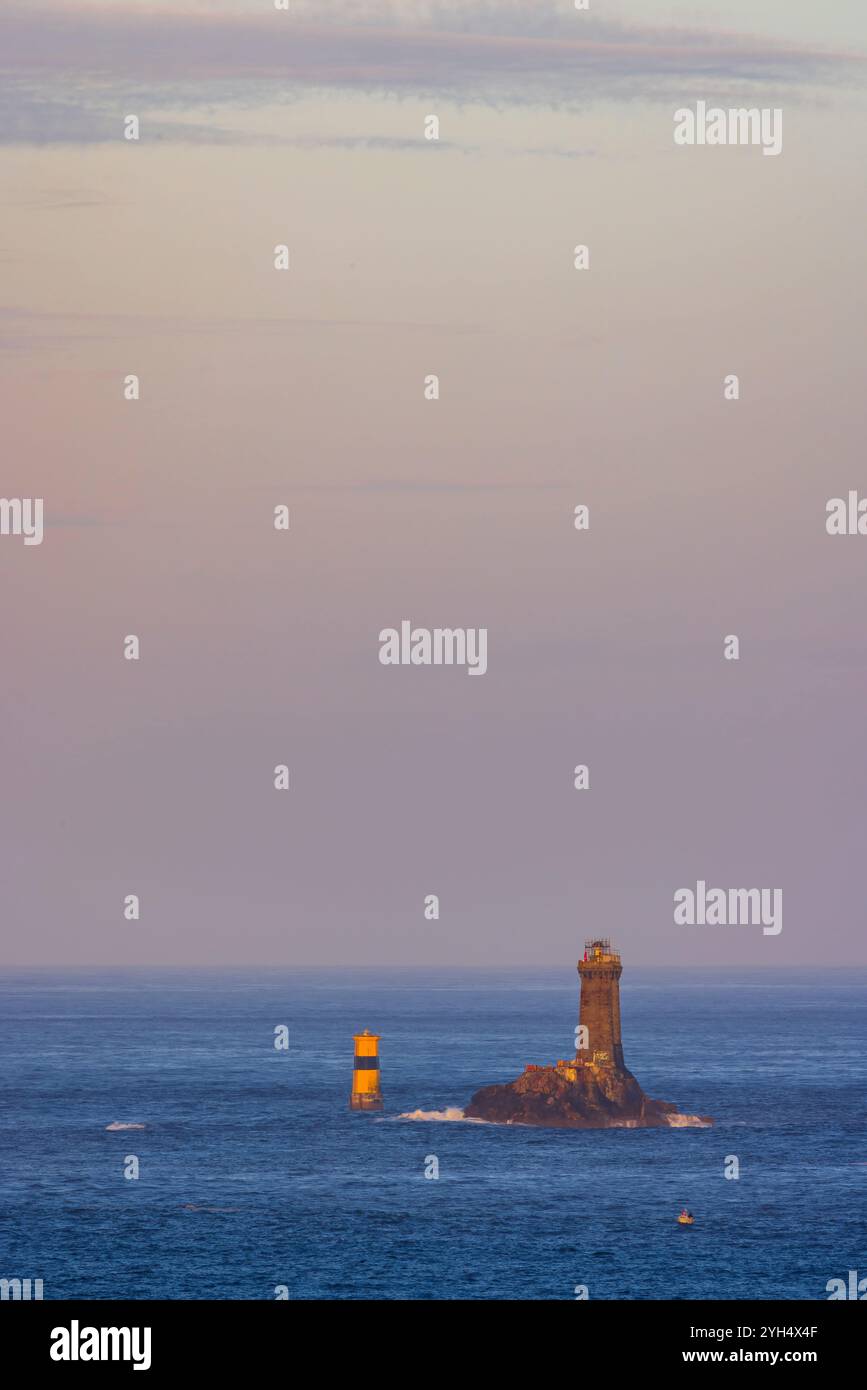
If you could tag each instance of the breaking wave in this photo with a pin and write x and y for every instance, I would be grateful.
(455, 1114)
(451, 1112)
(124, 1124)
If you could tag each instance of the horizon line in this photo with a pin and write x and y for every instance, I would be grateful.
(368, 968)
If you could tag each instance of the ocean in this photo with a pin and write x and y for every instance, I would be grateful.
(254, 1175)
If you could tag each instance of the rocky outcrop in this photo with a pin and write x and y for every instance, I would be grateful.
(576, 1095)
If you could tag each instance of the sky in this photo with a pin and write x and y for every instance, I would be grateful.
(604, 387)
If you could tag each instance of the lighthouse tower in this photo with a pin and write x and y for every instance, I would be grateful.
(600, 972)
(366, 1094)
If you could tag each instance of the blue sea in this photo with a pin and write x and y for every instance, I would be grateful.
(254, 1173)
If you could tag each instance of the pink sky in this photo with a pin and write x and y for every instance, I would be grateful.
(557, 388)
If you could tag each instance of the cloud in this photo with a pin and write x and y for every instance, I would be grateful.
(23, 330)
(81, 69)
(398, 485)
(78, 522)
(57, 199)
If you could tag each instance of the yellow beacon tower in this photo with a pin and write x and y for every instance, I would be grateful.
(366, 1094)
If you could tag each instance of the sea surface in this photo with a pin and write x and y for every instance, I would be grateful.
(254, 1173)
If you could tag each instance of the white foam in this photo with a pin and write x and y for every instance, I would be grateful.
(123, 1124)
(452, 1112)
(687, 1122)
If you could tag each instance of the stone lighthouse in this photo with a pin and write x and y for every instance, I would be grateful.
(600, 972)
(593, 1090)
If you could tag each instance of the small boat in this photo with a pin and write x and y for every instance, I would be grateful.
(686, 1218)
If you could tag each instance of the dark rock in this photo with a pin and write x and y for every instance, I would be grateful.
(577, 1095)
